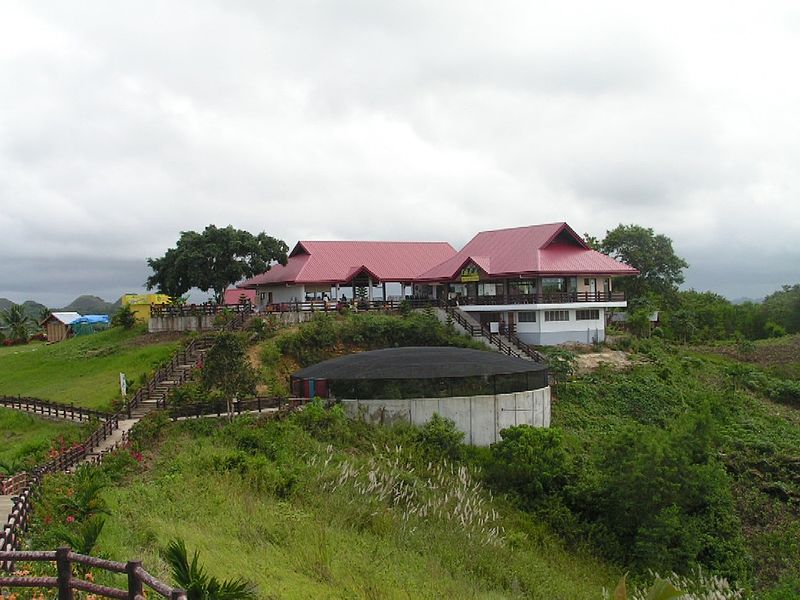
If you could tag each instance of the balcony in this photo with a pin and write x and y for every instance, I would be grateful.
(545, 298)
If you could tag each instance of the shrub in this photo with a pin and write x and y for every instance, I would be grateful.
(124, 317)
(529, 462)
(439, 439)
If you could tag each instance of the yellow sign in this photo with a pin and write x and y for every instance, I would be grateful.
(470, 274)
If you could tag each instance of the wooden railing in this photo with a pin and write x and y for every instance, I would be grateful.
(507, 343)
(17, 522)
(220, 407)
(325, 306)
(543, 298)
(195, 310)
(18, 518)
(67, 584)
(170, 371)
(14, 484)
(48, 408)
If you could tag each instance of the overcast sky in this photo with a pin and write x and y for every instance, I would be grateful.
(123, 123)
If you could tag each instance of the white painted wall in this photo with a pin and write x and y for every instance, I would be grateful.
(281, 293)
(481, 418)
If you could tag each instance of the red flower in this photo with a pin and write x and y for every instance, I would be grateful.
(70, 519)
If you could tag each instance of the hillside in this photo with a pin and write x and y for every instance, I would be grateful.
(84, 370)
(24, 438)
(91, 305)
(289, 505)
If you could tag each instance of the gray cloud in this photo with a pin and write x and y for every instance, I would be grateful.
(123, 124)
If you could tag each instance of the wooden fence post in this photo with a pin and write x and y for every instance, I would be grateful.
(64, 566)
(135, 587)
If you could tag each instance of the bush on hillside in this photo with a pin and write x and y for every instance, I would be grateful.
(660, 500)
(530, 462)
(325, 335)
(439, 439)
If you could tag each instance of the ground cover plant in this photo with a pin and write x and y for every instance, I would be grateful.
(26, 439)
(84, 370)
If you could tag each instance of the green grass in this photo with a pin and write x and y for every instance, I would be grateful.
(83, 370)
(273, 516)
(25, 439)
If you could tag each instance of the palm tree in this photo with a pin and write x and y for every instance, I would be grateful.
(199, 585)
(17, 321)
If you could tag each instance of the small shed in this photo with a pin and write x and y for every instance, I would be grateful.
(56, 326)
(140, 304)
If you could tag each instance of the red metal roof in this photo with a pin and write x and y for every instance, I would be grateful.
(337, 262)
(234, 295)
(537, 249)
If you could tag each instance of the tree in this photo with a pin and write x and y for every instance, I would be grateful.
(213, 260)
(660, 269)
(227, 369)
(17, 321)
(124, 317)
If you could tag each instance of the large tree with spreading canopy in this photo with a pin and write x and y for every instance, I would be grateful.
(660, 269)
(214, 260)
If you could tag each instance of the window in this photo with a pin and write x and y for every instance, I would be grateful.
(522, 287)
(527, 317)
(556, 315)
(587, 315)
(490, 289)
(554, 284)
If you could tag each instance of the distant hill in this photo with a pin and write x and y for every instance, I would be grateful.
(91, 305)
(85, 305)
(31, 308)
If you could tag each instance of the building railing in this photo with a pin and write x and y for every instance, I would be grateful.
(196, 310)
(544, 298)
(326, 306)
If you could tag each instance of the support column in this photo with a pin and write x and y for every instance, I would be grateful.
(369, 292)
(383, 283)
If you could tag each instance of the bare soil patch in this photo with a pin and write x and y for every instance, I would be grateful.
(616, 359)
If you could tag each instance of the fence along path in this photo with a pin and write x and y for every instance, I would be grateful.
(56, 410)
(112, 432)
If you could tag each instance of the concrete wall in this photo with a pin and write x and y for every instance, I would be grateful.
(481, 418)
(189, 323)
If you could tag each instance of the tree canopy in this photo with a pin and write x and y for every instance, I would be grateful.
(214, 260)
(660, 269)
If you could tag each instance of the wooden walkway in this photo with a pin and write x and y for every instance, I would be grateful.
(5, 508)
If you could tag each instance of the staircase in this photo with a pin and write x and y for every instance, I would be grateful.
(167, 378)
(508, 343)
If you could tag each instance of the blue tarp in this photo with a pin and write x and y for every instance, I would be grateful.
(91, 320)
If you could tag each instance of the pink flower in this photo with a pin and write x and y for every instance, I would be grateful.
(70, 519)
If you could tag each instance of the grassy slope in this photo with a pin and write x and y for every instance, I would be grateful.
(82, 370)
(26, 438)
(320, 544)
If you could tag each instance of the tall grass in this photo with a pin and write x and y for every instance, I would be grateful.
(306, 518)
